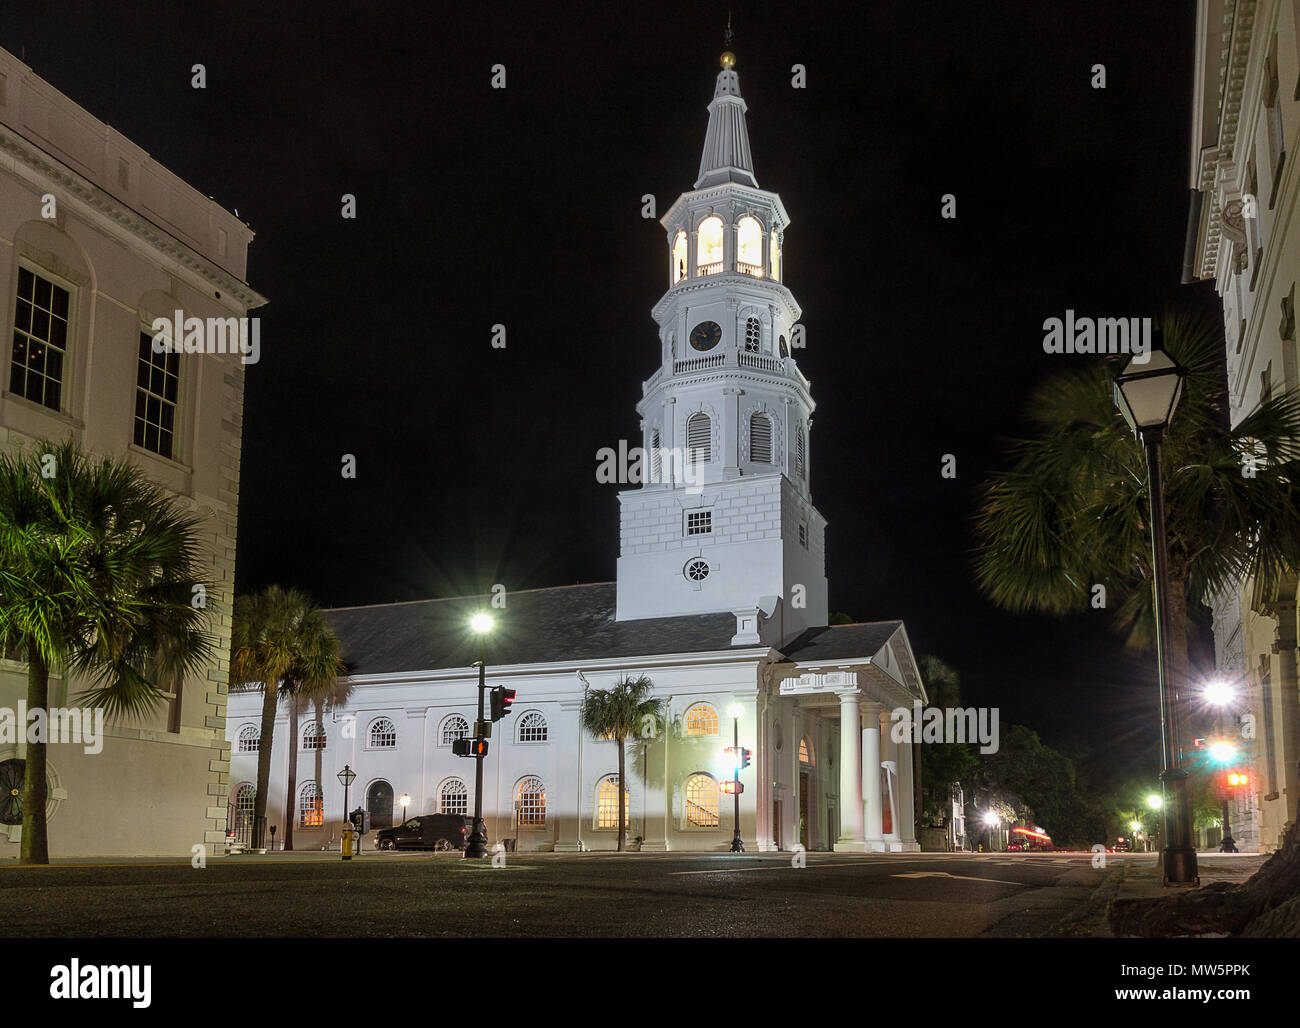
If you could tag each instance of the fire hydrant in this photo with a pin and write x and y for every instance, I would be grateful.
(347, 842)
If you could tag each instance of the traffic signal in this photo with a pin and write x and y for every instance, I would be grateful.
(469, 747)
(731, 788)
(744, 757)
(1238, 779)
(501, 700)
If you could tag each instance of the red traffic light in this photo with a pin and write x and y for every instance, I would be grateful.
(501, 698)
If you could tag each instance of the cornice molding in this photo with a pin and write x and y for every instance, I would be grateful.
(203, 270)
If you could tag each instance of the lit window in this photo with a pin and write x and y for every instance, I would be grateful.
(383, 734)
(679, 258)
(607, 803)
(531, 794)
(699, 522)
(701, 801)
(805, 751)
(749, 246)
(454, 797)
(313, 736)
(753, 335)
(249, 736)
(157, 384)
(760, 439)
(701, 719)
(455, 727)
(532, 727)
(239, 815)
(40, 340)
(708, 255)
(699, 437)
(311, 807)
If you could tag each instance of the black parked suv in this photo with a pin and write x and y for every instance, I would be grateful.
(427, 832)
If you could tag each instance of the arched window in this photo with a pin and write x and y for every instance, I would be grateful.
(701, 719)
(679, 257)
(533, 727)
(531, 794)
(607, 803)
(379, 801)
(249, 737)
(785, 348)
(749, 246)
(239, 815)
(699, 437)
(383, 734)
(313, 736)
(453, 798)
(701, 801)
(800, 464)
(455, 727)
(760, 438)
(311, 807)
(776, 258)
(753, 335)
(708, 247)
(806, 751)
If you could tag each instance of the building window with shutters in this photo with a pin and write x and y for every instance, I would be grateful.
(699, 438)
(760, 439)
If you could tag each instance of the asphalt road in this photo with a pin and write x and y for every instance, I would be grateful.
(583, 895)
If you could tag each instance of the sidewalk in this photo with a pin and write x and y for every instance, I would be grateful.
(1142, 876)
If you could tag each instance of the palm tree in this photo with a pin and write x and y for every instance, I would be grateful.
(336, 696)
(100, 575)
(1071, 513)
(279, 643)
(311, 679)
(621, 713)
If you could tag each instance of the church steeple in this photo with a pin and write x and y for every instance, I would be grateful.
(726, 156)
(723, 520)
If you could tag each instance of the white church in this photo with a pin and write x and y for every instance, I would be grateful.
(720, 599)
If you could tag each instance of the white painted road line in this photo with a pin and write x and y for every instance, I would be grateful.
(964, 878)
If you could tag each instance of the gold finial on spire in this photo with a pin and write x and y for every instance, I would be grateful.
(728, 59)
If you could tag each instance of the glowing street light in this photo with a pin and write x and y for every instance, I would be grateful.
(1222, 752)
(405, 801)
(1219, 692)
(481, 624)
(1155, 802)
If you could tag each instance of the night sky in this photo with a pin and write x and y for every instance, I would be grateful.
(523, 207)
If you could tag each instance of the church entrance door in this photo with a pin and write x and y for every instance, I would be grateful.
(804, 828)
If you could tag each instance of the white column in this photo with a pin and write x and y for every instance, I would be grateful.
(851, 839)
(889, 761)
(869, 776)
(569, 768)
(907, 797)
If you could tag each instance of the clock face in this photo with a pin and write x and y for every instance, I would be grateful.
(706, 335)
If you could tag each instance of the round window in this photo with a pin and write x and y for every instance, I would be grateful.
(697, 570)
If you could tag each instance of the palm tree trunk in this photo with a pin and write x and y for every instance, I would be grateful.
(291, 807)
(35, 843)
(622, 800)
(269, 698)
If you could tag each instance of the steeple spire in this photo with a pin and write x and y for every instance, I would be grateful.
(726, 156)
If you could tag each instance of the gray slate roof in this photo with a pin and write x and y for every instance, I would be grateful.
(540, 626)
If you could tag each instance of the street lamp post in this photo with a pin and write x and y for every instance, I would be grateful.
(1146, 394)
(481, 624)
(347, 776)
(737, 844)
(405, 801)
(1220, 694)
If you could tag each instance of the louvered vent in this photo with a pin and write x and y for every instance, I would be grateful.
(760, 439)
(699, 437)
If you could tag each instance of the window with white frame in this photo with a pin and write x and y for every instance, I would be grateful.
(249, 739)
(679, 257)
(533, 727)
(455, 727)
(699, 437)
(708, 247)
(40, 340)
(157, 389)
(311, 807)
(701, 795)
(313, 736)
(531, 797)
(453, 798)
(760, 438)
(749, 246)
(383, 734)
(699, 522)
(607, 803)
(701, 719)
